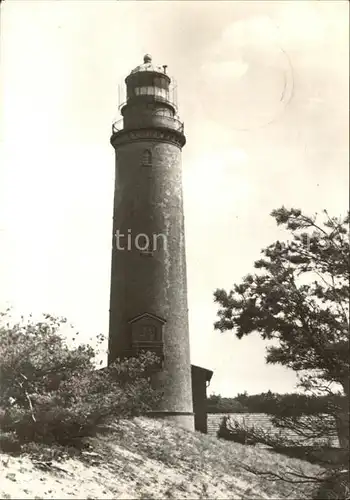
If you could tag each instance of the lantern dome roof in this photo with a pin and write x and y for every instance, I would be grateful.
(148, 66)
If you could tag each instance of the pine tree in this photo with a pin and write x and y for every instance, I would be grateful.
(299, 296)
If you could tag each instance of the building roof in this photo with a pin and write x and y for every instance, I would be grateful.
(208, 373)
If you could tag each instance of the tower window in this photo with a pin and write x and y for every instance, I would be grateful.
(146, 253)
(147, 158)
(148, 250)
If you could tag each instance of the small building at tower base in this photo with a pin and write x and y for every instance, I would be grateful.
(200, 381)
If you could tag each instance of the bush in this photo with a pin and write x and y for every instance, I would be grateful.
(9, 442)
(51, 393)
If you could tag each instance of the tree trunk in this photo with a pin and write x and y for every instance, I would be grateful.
(342, 419)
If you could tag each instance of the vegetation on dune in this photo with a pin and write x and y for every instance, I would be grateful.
(149, 458)
(54, 404)
(52, 393)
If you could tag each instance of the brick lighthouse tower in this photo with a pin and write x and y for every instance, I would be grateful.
(148, 299)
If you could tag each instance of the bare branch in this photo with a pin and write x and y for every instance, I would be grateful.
(28, 397)
(296, 478)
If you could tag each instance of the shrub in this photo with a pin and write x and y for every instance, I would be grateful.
(9, 442)
(52, 393)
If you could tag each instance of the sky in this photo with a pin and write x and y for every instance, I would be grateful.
(263, 92)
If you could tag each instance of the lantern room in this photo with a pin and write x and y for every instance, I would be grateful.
(149, 99)
(148, 83)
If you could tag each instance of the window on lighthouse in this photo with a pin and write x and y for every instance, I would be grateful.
(156, 91)
(147, 158)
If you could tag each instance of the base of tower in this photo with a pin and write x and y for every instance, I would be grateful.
(181, 418)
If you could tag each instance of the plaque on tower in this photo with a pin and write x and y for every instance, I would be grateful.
(147, 335)
(147, 328)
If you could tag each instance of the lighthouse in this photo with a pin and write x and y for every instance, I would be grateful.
(148, 296)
